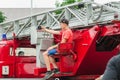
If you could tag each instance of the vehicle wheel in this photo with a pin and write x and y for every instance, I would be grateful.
(57, 79)
(62, 78)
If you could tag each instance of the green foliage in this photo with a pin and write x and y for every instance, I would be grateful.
(2, 17)
(65, 2)
(78, 0)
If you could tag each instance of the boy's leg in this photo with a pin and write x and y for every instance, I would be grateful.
(52, 60)
(46, 59)
(49, 73)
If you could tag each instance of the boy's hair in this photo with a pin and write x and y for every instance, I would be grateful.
(64, 21)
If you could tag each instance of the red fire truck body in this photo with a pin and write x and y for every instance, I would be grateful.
(93, 47)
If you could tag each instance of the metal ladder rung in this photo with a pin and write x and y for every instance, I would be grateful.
(78, 14)
(112, 5)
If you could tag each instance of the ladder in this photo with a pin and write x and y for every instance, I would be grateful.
(88, 14)
(80, 15)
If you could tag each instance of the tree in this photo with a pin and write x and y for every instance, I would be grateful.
(65, 2)
(2, 17)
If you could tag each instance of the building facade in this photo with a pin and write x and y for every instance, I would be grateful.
(17, 13)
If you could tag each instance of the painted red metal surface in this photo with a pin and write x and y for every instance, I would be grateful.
(93, 46)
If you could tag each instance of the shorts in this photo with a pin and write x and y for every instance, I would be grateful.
(52, 52)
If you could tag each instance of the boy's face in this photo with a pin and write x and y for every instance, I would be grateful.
(63, 25)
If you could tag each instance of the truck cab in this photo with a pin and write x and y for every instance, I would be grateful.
(12, 64)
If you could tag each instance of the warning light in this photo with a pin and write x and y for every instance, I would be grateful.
(4, 37)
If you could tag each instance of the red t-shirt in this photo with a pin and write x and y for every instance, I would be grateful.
(67, 34)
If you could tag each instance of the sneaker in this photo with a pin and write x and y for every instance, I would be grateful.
(56, 71)
(48, 74)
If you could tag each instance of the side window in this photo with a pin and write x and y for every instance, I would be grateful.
(107, 43)
(11, 51)
(25, 52)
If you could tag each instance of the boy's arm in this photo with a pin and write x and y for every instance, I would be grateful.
(50, 31)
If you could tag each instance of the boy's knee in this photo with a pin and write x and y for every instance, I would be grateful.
(45, 53)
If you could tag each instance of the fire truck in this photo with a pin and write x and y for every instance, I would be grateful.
(96, 31)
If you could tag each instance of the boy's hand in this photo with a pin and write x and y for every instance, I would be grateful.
(43, 28)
